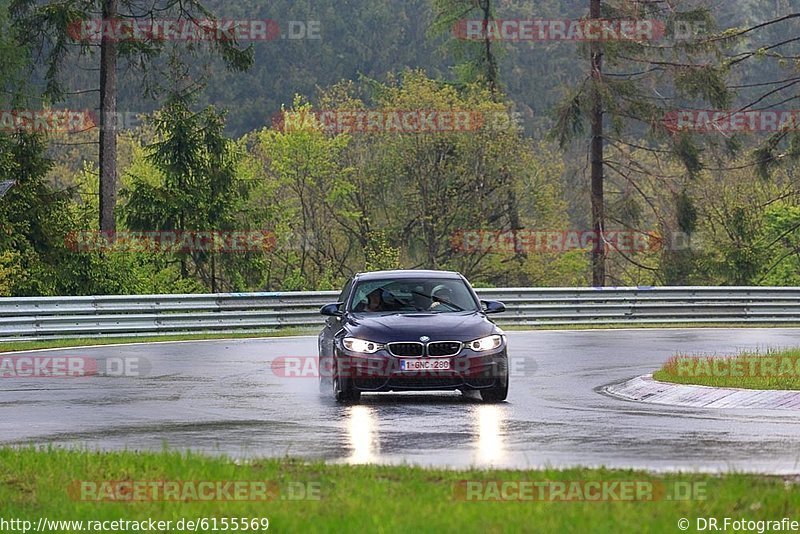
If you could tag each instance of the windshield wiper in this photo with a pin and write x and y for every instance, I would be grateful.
(448, 303)
(438, 299)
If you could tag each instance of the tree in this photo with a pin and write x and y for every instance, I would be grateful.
(311, 184)
(197, 188)
(477, 62)
(596, 156)
(476, 59)
(631, 87)
(53, 24)
(422, 189)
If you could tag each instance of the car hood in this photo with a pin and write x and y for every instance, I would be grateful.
(410, 327)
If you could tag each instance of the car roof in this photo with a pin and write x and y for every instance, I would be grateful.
(408, 273)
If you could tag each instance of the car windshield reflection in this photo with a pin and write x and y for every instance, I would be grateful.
(406, 295)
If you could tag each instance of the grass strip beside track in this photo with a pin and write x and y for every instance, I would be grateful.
(773, 369)
(40, 483)
(12, 346)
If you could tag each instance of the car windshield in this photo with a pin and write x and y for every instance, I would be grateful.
(413, 295)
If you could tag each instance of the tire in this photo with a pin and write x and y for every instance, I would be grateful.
(498, 393)
(324, 386)
(343, 390)
(324, 381)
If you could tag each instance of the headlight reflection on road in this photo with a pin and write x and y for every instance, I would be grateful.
(363, 429)
(491, 443)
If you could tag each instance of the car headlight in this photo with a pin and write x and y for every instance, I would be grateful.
(486, 343)
(359, 345)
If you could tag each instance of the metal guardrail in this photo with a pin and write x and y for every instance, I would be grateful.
(64, 317)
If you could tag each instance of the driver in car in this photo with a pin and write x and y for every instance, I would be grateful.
(441, 295)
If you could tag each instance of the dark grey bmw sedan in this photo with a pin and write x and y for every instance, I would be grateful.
(412, 331)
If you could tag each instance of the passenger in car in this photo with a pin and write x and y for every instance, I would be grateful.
(374, 302)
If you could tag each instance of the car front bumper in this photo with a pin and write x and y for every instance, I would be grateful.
(381, 372)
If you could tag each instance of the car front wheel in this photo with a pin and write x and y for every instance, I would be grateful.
(499, 392)
(343, 390)
(324, 379)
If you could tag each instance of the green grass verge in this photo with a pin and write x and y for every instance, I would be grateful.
(41, 483)
(774, 369)
(11, 346)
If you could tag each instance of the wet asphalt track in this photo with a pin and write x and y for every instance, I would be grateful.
(224, 396)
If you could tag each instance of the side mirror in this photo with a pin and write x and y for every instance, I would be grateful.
(493, 306)
(332, 310)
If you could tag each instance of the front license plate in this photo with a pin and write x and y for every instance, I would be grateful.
(424, 365)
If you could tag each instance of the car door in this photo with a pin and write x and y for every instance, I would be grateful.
(333, 325)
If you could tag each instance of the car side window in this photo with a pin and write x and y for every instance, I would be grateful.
(345, 294)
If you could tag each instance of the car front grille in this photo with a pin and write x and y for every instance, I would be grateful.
(367, 383)
(425, 382)
(406, 350)
(439, 349)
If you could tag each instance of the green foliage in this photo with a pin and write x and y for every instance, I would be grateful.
(338, 202)
(782, 236)
(13, 86)
(476, 60)
(10, 273)
(188, 183)
(49, 26)
(36, 225)
(381, 256)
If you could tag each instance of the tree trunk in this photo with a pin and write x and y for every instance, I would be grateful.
(598, 209)
(108, 125)
(492, 74)
(213, 273)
